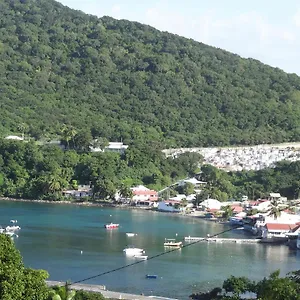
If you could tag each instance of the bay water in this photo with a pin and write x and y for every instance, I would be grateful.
(71, 243)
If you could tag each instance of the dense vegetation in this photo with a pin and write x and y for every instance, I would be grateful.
(124, 80)
(31, 171)
(241, 288)
(16, 281)
(284, 178)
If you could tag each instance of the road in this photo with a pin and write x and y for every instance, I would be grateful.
(107, 294)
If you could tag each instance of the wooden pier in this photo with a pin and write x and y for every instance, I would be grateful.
(221, 240)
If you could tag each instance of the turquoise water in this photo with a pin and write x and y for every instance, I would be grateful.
(53, 236)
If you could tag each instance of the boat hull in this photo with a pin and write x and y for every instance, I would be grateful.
(111, 226)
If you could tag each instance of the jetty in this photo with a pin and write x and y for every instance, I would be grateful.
(107, 294)
(221, 240)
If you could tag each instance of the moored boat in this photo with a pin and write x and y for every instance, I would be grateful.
(131, 250)
(12, 228)
(130, 234)
(151, 276)
(141, 257)
(298, 242)
(111, 226)
(172, 243)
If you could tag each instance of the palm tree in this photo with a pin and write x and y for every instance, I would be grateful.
(23, 127)
(228, 212)
(274, 211)
(68, 134)
(125, 191)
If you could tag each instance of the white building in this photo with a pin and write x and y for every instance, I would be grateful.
(167, 206)
(211, 204)
(141, 193)
(113, 147)
(14, 137)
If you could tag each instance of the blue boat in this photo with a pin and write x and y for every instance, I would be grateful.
(151, 276)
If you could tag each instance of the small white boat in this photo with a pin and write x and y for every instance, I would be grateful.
(172, 243)
(12, 228)
(131, 250)
(130, 234)
(13, 221)
(141, 257)
(298, 241)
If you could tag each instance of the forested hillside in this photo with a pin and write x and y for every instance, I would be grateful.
(123, 80)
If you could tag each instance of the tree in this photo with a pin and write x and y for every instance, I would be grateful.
(228, 212)
(82, 295)
(276, 288)
(274, 211)
(125, 191)
(62, 293)
(68, 134)
(23, 128)
(272, 288)
(16, 281)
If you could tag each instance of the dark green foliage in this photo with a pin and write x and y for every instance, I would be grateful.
(284, 178)
(123, 80)
(239, 288)
(82, 295)
(16, 281)
(43, 172)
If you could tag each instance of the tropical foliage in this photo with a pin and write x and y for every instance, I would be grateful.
(16, 281)
(66, 73)
(240, 288)
(31, 171)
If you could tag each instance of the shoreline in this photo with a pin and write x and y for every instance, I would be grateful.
(198, 215)
(79, 203)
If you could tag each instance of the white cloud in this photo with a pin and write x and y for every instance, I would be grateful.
(296, 18)
(249, 34)
(116, 10)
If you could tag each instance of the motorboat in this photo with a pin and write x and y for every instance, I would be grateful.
(12, 228)
(172, 243)
(150, 276)
(298, 241)
(111, 226)
(133, 251)
(13, 221)
(141, 257)
(130, 234)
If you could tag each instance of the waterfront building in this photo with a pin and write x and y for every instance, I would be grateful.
(169, 206)
(142, 193)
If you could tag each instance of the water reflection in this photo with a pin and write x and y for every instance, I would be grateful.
(53, 236)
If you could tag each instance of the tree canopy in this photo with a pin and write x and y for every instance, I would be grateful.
(16, 281)
(242, 288)
(117, 79)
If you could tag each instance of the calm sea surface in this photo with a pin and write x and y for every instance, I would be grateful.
(53, 236)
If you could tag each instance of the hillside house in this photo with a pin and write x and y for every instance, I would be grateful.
(141, 194)
(112, 147)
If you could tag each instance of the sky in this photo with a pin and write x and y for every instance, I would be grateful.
(267, 30)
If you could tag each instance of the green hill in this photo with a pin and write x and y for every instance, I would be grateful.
(124, 80)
